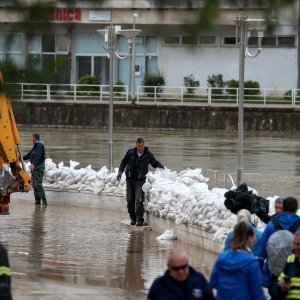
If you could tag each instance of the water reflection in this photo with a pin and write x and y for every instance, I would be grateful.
(134, 260)
(79, 251)
(36, 245)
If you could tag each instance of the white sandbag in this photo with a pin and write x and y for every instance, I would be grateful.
(146, 187)
(167, 235)
(73, 164)
(63, 185)
(73, 187)
(74, 180)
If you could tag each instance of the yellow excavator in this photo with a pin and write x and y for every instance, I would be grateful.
(13, 177)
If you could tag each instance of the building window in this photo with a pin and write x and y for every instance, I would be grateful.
(269, 41)
(62, 43)
(286, 41)
(50, 52)
(208, 40)
(11, 48)
(48, 43)
(151, 45)
(189, 40)
(172, 40)
(229, 40)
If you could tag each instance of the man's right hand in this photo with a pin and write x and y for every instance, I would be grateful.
(119, 176)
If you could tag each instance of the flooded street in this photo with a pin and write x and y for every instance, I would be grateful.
(65, 252)
(271, 160)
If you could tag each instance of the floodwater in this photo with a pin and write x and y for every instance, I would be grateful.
(64, 252)
(271, 160)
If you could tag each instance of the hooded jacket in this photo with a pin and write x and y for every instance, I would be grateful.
(37, 154)
(237, 275)
(137, 167)
(194, 287)
(286, 220)
(256, 247)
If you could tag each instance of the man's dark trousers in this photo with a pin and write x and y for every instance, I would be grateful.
(135, 199)
(37, 183)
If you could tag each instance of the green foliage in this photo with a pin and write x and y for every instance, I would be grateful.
(190, 82)
(216, 81)
(119, 89)
(253, 85)
(88, 80)
(10, 72)
(287, 95)
(249, 84)
(153, 80)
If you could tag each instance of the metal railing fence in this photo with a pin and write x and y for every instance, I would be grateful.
(176, 95)
(66, 92)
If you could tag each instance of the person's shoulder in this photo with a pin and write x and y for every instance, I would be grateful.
(158, 281)
(255, 229)
(131, 150)
(197, 274)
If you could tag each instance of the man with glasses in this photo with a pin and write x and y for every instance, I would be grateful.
(180, 281)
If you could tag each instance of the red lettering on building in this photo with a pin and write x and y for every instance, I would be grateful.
(63, 14)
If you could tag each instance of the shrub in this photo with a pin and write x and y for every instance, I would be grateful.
(119, 89)
(152, 80)
(287, 95)
(190, 82)
(216, 81)
(233, 84)
(249, 84)
(88, 80)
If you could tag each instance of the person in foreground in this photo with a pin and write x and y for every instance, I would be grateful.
(136, 162)
(286, 220)
(237, 272)
(5, 275)
(289, 279)
(180, 281)
(37, 159)
(244, 215)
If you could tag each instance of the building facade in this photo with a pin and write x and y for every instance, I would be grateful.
(168, 43)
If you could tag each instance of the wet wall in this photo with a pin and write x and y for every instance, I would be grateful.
(75, 114)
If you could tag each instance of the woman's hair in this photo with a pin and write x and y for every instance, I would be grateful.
(244, 215)
(240, 236)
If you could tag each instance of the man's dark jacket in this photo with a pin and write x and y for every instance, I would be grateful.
(137, 167)
(195, 287)
(37, 154)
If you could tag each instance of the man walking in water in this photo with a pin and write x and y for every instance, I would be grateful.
(136, 162)
(37, 159)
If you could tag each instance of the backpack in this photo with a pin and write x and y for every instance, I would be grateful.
(280, 245)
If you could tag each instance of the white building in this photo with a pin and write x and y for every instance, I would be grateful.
(162, 46)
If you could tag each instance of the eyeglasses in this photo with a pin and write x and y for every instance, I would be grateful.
(178, 268)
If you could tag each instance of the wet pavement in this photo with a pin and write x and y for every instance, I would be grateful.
(66, 252)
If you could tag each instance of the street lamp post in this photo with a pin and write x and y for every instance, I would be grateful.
(132, 87)
(109, 34)
(241, 23)
(245, 26)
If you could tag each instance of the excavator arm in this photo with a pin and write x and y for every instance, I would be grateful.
(13, 177)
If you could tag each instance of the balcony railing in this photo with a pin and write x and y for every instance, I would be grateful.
(158, 95)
